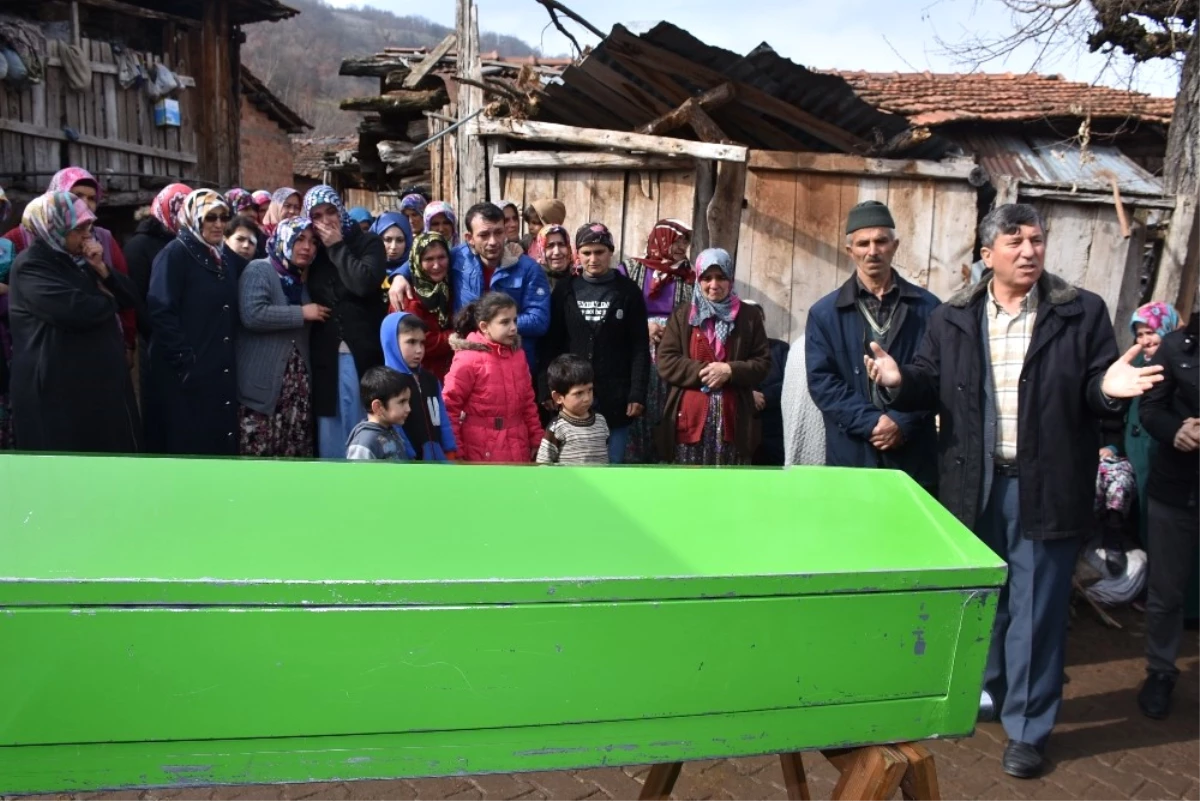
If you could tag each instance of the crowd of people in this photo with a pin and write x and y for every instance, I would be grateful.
(283, 324)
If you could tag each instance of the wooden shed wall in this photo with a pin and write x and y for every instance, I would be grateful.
(791, 248)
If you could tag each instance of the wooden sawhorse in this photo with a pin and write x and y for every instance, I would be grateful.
(872, 773)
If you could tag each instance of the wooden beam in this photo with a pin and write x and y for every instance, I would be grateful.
(626, 47)
(550, 160)
(1093, 198)
(705, 126)
(724, 211)
(678, 117)
(430, 61)
(186, 81)
(395, 102)
(371, 67)
(137, 11)
(858, 165)
(28, 129)
(472, 161)
(594, 137)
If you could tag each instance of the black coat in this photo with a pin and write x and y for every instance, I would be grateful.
(348, 278)
(141, 250)
(193, 392)
(619, 348)
(1058, 434)
(770, 450)
(1175, 474)
(71, 389)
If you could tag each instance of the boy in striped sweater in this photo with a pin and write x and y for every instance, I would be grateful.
(577, 435)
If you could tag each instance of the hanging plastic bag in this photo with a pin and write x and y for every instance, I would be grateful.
(162, 82)
(17, 75)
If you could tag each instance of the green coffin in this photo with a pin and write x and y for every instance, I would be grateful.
(191, 622)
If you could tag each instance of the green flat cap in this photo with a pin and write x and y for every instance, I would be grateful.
(869, 214)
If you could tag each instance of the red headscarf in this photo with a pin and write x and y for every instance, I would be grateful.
(658, 255)
(167, 204)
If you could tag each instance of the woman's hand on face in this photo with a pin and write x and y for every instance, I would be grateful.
(329, 233)
(716, 374)
(93, 254)
(315, 312)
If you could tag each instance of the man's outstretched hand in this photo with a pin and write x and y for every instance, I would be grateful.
(882, 369)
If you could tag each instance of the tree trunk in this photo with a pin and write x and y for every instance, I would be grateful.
(395, 102)
(1179, 268)
(1183, 140)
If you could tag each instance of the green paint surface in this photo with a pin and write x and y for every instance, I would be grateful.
(175, 622)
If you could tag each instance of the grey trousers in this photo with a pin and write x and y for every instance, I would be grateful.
(1025, 662)
(1173, 532)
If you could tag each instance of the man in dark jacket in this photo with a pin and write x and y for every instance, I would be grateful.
(1019, 367)
(600, 315)
(1171, 414)
(875, 305)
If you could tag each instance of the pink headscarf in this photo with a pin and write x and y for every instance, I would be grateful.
(65, 179)
(167, 204)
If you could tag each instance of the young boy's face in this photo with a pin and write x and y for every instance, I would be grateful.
(577, 402)
(395, 411)
(412, 347)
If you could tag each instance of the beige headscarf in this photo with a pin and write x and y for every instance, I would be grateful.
(551, 211)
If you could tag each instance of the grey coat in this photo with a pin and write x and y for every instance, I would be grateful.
(271, 327)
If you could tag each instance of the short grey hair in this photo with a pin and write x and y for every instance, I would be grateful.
(1007, 220)
(850, 236)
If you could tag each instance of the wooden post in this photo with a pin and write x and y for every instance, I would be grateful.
(725, 209)
(495, 147)
(874, 775)
(217, 112)
(794, 778)
(472, 170)
(1176, 279)
(660, 781)
(76, 34)
(920, 780)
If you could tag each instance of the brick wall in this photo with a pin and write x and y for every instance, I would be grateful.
(266, 151)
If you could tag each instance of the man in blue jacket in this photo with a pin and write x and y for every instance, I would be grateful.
(484, 264)
(875, 305)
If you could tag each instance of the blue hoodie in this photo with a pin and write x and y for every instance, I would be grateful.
(430, 411)
(386, 221)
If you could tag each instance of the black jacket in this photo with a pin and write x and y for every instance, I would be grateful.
(1060, 405)
(347, 278)
(619, 348)
(1175, 474)
(71, 389)
(141, 249)
(770, 450)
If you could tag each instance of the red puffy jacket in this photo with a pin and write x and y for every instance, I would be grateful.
(489, 400)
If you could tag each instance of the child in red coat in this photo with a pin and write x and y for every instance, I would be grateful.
(489, 392)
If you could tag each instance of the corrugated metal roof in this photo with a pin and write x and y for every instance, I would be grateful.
(1055, 163)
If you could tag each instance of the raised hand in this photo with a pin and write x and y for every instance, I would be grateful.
(1123, 380)
(882, 369)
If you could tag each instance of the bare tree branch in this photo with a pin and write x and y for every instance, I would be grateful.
(553, 7)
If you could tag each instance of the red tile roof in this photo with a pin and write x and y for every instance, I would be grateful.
(308, 154)
(937, 99)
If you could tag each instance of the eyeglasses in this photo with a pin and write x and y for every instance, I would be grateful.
(221, 218)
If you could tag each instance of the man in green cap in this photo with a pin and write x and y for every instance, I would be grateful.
(875, 305)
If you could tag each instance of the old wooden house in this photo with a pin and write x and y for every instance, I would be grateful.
(86, 101)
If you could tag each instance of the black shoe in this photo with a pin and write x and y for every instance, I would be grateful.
(1154, 699)
(1022, 760)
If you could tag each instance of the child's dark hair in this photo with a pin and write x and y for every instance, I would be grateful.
(483, 310)
(242, 221)
(531, 214)
(411, 322)
(567, 371)
(382, 384)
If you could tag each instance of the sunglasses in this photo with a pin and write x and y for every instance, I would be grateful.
(221, 218)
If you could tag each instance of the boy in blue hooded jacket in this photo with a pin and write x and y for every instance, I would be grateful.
(427, 429)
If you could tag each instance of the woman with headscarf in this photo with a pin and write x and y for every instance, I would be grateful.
(345, 277)
(512, 220)
(440, 218)
(242, 205)
(274, 376)
(434, 299)
(262, 199)
(541, 214)
(285, 204)
(393, 228)
(553, 245)
(153, 234)
(71, 390)
(361, 216)
(82, 184)
(193, 305)
(666, 280)
(713, 354)
(413, 207)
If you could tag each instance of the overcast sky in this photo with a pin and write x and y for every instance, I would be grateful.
(874, 35)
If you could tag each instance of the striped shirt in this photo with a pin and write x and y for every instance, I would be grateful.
(569, 441)
(1008, 339)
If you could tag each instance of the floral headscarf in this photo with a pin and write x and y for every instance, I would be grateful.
(715, 320)
(239, 200)
(5, 206)
(442, 207)
(414, 202)
(261, 197)
(435, 296)
(539, 247)
(274, 215)
(658, 255)
(394, 219)
(196, 207)
(65, 179)
(279, 250)
(50, 217)
(1161, 317)
(319, 196)
(167, 205)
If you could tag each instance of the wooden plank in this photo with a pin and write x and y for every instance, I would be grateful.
(678, 117)
(419, 71)
(106, 68)
(130, 10)
(873, 189)
(848, 199)
(513, 187)
(574, 190)
(594, 137)
(1107, 258)
(766, 276)
(856, 165)
(677, 196)
(818, 243)
(1177, 266)
(1129, 294)
(950, 256)
(41, 148)
(28, 149)
(118, 162)
(724, 211)
(495, 147)
(641, 211)
(1098, 198)
(590, 160)
(1068, 238)
(618, 93)
(912, 207)
(471, 167)
(92, 141)
(608, 204)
